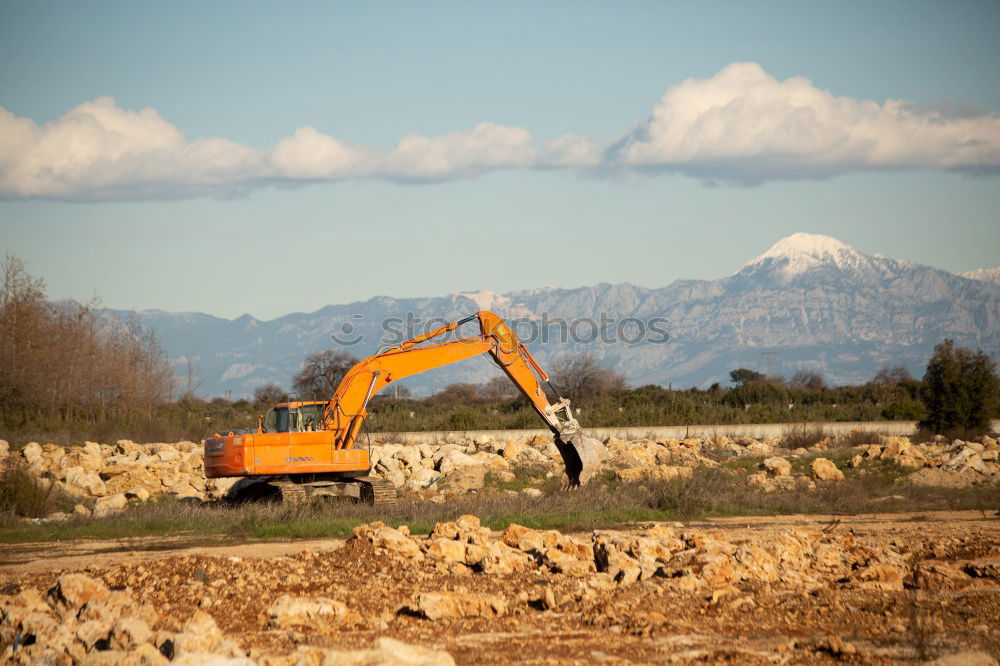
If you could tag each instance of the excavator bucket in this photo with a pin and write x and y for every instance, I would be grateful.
(582, 456)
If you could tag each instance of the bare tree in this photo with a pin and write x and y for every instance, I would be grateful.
(321, 373)
(886, 381)
(891, 374)
(582, 376)
(63, 360)
(462, 394)
(499, 389)
(268, 395)
(809, 380)
(191, 380)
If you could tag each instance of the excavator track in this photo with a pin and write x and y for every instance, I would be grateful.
(291, 492)
(367, 489)
(376, 491)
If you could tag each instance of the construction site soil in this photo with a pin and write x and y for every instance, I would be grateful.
(946, 601)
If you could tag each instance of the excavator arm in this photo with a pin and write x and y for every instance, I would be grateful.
(347, 409)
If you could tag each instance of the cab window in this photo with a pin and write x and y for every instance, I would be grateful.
(281, 419)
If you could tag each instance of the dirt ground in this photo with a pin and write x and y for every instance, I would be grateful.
(556, 618)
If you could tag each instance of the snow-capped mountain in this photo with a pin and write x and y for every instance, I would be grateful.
(801, 253)
(991, 275)
(808, 302)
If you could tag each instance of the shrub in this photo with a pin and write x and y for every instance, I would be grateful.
(802, 437)
(21, 494)
(960, 390)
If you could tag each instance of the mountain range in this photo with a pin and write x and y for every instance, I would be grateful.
(809, 302)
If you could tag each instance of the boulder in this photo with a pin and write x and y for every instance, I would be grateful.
(201, 638)
(129, 632)
(823, 469)
(167, 453)
(438, 605)
(137, 493)
(310, 612)
(880, 576)
(422, 478)
(464, 479)
(106, 506)
(778, 466)
(73, 590)
(656, 472)
(387, 539)
(453, 460)
(88, 483)
(390, 470)
(908, 461)
(127, 448)
(756, 448)
(32, 455)
(513, 449)
(491, 461)
(409, 456)
(447, 550)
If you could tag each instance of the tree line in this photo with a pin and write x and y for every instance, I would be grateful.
(64, 363)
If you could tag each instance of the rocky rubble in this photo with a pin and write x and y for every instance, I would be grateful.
(687, 560)
(106, 478)
(463, 586)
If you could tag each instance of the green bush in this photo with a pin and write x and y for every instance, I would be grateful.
(960, 391)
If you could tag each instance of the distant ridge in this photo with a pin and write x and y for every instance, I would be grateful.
(991, 275)
(809, 301)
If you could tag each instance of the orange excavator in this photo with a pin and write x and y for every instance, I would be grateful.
(306, 449)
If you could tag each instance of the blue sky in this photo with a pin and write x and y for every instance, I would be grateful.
(464, 146)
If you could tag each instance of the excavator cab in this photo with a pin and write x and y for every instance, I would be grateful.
(293, 417)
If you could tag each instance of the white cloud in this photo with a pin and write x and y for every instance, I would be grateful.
(309, 154)
(457, 154)
(571, 150)
(741, 125)
(98, 150)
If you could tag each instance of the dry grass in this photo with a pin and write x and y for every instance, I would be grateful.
(802, 437)
(602, 504)
(23, 495)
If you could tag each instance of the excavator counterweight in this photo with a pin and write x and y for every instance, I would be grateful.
(310, 448)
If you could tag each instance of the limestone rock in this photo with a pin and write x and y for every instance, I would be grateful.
(200, 635)
(73, 590)
(513, 449)
(388, 539)
(86, 482)
(106, 506)
(32, 454)
(778, 466)
(437, 605)
(823, 469)
(656, 472)
(311, 612)
(137, 493)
